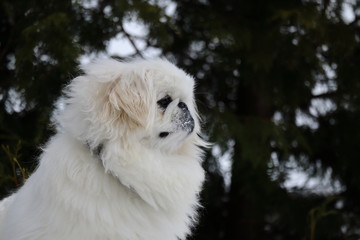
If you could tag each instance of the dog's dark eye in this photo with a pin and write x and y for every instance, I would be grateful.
(164, 102)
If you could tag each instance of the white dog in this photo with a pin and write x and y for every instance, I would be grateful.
(125, 164)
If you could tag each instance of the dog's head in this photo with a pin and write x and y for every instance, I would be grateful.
(147, 102)
(141, 121)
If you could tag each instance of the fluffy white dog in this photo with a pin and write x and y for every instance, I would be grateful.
(124, 165)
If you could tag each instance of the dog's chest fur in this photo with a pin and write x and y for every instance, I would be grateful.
(71, 197)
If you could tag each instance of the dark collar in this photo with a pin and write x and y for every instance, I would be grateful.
(97, 150)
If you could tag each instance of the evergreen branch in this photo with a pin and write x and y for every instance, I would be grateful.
(13, 157)
(131, 40)
(325, 95)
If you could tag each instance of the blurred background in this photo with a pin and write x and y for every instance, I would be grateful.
(278, 89)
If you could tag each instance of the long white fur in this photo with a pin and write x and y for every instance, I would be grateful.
(140, 187)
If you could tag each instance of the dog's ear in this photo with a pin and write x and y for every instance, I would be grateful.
(134, 95)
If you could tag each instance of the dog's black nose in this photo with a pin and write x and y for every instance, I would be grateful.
(164, 134)
(182, 105)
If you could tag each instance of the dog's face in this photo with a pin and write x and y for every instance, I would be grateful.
(175, 115)
(149, 102)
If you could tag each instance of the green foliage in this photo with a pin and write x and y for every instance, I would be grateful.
(278, 88)
(19, 174)
(320, 212)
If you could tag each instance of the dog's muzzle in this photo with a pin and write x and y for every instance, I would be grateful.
(183, 121)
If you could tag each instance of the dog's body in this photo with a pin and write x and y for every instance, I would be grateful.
(126, 164)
